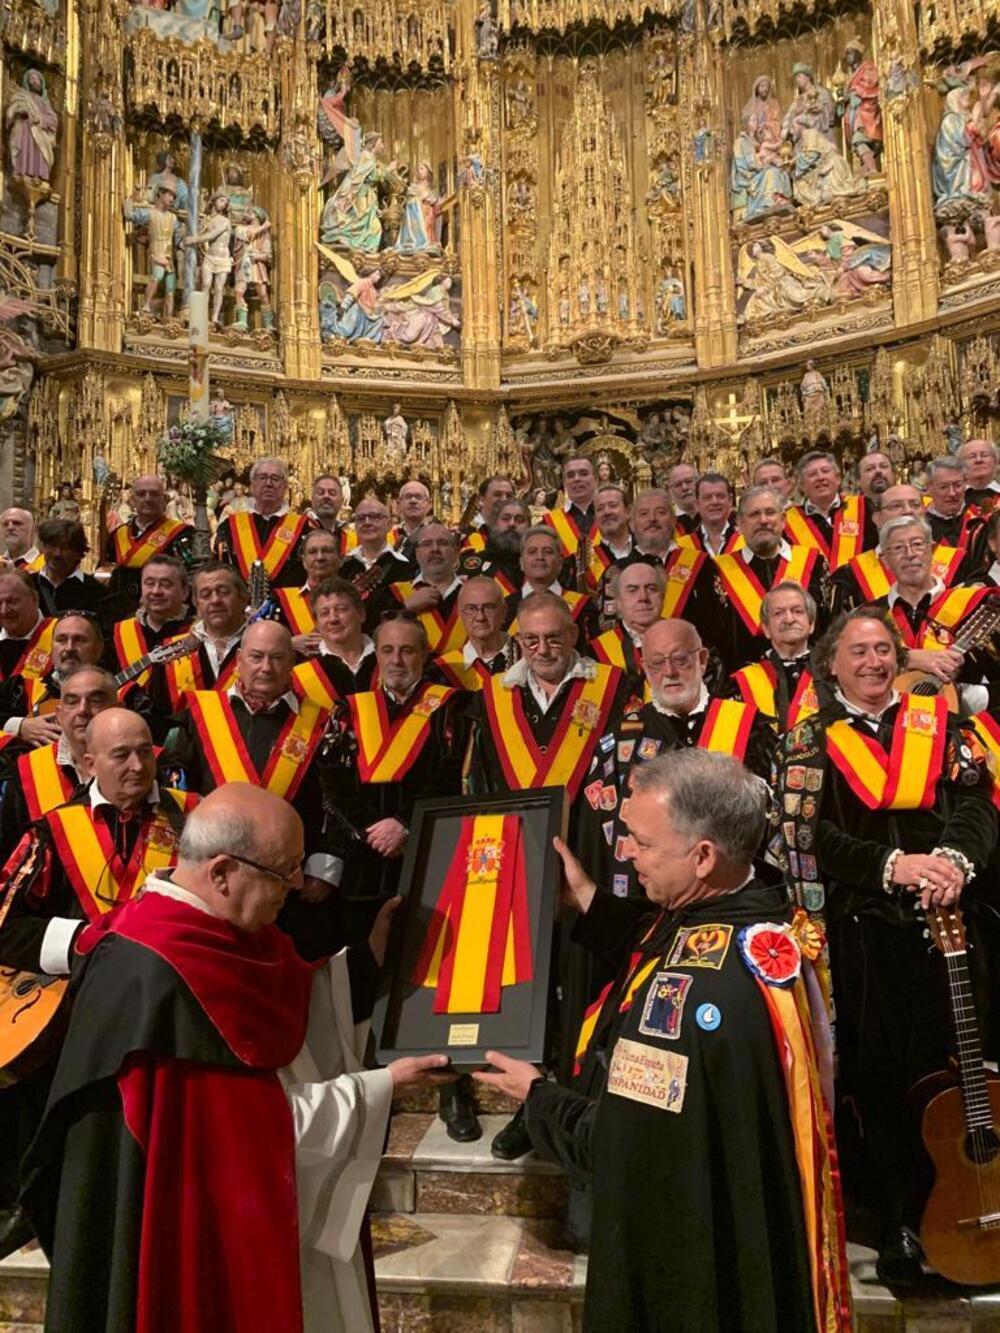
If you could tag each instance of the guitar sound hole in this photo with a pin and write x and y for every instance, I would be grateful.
(981, 1146)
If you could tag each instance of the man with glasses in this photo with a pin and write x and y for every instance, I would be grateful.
(549, 720)
(258, 730)
(414, 506)
(321, 558)
(951, 520)
(433, 593)
(131, 546)
(682, 479)
(268, 531)
(928, 615)
(866, 578)
(488, 649)
(375, 562)
(979, 460)
(781, 684)
(78, 863)
(680, 714)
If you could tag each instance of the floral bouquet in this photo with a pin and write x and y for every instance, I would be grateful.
(187, 451)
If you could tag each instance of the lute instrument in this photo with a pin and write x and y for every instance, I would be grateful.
(960, 1230)
(976, 631)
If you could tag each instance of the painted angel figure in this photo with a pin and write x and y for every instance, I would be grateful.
(418, 313)
(351, 214)
(778, 281)
(358, 313)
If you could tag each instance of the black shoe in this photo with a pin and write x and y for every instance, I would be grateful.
(513, 1140)
(898, 1263)
(457, 1109)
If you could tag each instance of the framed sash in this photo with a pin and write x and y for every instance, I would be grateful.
(388, 750)
(565, 759)
(745, 590)
(133, 552)
(906, 777)
(275, 552)
(226, 750)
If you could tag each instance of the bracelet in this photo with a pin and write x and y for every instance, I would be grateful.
(958, 859)
(888, 868)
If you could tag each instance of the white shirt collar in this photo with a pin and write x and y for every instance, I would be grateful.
(469, 654)
(368, 562)
(32, 553)
(580, 668)
(77, 574)
(402, 698)
(96, 798)
(706, 541)
(809, 508)
(619, 552)
(699, 707)
(164, 885)
(64, 756)
(555, 588)
(993, 486)
(936, 589)
(289, 697)
(993, 573)
(855, 711)
(453, 586)
(367, 646)
(278, 513)
(22, 637)
(784, 553)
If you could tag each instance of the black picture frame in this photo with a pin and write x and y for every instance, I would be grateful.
(404, 1021)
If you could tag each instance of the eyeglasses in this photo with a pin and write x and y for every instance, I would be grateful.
(530, 642)
(410, 617)
(269, 478)
(371, 518)
(266, 870)
(78, 615)
(916, 547)
(675, 661)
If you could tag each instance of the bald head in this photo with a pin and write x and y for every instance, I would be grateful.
(119, 757)
(265, 661)
(17, 527)
(674, 661)
(149, 499)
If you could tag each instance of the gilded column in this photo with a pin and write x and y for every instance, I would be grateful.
(297, 185)
(477, 117)
(102, 180)
(706, 190)
(906, 161)
(68, 134)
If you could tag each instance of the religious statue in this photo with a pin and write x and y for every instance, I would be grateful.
(669, 303)
(820, 172)
(520, 103)
(664, 187)
(66, 505)
(777, 280)
(32, 127)
(162, 226)
(396, 432)
(815, 393)
(660, 80)
(759, 183)
(166, 174)
(858, 104)
(520, 199)
(252, 265)
(330, 114)
(523, 314)
(357, 314)
(423, 317)
(420, 230)
(487, 37)
(216, 260)
(17, 358)
(471, 170)
(862, 258)
(350, 216)
(236, 189)
(221, 412)
(960, 176)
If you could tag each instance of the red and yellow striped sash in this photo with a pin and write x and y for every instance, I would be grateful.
(297, 610)
(388, 750)
(944, 615)
(987, 730)
(567, 530)
(758, 685)
(873, 575)
(444, 633)
(100, 880)
(682, 569)
(576, 601)
(584, 718)
(32, 566)
(348, 540)
(309, 682)
(479, 939)
(40, 701)
(452, 666)
(133, 552)
(43, 780)
(474, 542)
(727, 726)
(745, 590)
(226, 750)
(279, 546)
(36, 657)
(616, 648)
(905, 778)
(848, 531)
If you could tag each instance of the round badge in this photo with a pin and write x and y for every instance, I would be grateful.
(708, 1016)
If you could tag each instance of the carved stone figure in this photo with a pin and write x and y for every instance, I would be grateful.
(812, 107)
(221, 412)
(396, 431)
(351, 215)
(820, 172)
(424, 318)
(520, 103)
(420, 230)
(161, 227)
(252, 251)
(669, 303)
(32, 128)
(487, 37)
(959, 242)
(858, 104)
(166, 174)
(960, 176)
(216, 260)
(17, 358)
(759, 183)
(523, 313)
(777, 280)
(815, 393)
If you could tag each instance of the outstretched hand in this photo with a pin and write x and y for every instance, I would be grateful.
(515, 1077)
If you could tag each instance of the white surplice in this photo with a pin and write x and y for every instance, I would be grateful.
(340, 1111)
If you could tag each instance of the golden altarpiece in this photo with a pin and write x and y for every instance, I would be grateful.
(714, 229)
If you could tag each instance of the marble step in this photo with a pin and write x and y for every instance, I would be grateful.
(489, 1101)
(24, 1277)
(424, 1171)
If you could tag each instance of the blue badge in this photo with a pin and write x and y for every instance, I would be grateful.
(620, 886)
(607, 743)
(707, 1016)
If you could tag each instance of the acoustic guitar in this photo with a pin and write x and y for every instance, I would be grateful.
(976, 632)
(960, 1230)
(166, 652)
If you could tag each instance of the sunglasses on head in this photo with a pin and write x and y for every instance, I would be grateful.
(410, 617)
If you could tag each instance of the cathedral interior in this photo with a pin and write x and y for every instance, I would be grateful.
(716, 229)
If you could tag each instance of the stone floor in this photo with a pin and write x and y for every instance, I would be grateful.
(464, 1244)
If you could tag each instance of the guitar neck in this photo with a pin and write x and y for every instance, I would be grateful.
(134, 670)
(975, 1092)
(980, 627)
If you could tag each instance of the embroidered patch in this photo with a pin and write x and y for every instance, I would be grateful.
(607, 743)
(619, 886)
(609, 767)
(809, 867)
(648, 1075)
(664, 1005)
(795, 777)
(648, 747)
(804, 837)
(701, 946)
(609, 798)
(586, 716)
(429, 704)
(770, 952)
(792, 804)
(813, 897)
(593, 794)
(609, 831)
(814, 779)
(708, 1016)
(620, 850)
(625, 749)
(294, 748)
(809, 807)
